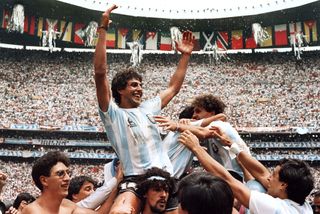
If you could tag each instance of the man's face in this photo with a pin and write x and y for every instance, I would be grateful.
(200, 113)
(275, 187)
(86, 189)
(316, 205)
(59, 179)
(131, 96)
(156, 199)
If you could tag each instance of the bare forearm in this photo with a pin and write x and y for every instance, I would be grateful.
(212, 166)
(200, 132)
(178, 77)
(206, 122)
(255, 168)
(100, 57)
(106, 206)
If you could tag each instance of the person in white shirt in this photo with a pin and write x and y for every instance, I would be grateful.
(287, 186)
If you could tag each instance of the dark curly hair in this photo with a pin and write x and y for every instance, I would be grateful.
(209, 102)
(43, 166)
(155, 178)
(120, 81)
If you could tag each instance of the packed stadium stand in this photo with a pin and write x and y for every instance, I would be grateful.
(48, 100)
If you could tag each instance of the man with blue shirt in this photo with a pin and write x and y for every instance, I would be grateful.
(128, 121)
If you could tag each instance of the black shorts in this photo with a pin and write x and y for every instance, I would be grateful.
(129, 184)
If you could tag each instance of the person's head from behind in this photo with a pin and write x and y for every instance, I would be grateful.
(155, 186)
(126, 88)
(316, 203)
(22, 200)
(80, 187)
(206, 106)
(203, 193)
(291, 179)
(51, 172)
(186, 113)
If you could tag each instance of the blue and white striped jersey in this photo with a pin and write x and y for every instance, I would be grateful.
(134, 136)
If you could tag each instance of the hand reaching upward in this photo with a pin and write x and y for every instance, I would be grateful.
(185, 46)
(105, 19)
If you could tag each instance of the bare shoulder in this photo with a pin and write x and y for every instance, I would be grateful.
(72, 208)
(32, 208)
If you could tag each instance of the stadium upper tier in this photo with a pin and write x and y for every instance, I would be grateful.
(260, 90)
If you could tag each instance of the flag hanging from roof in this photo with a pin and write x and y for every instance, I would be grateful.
(293, 29)
(53, 23)
(26, 24)
(250, 43)
(222, 40)
(122, 35)
(196, 41)
(40, 26)
(310, 29)
(32, 26)
(66, 31)
(268, 41)
(236, 39)
(208, 37)
(78, 33)
(280, 32)
(111, 38)
(165, 41)
(136, 34)
(5, 18)
(151, 40)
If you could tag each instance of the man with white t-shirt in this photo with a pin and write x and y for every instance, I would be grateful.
(287, 186)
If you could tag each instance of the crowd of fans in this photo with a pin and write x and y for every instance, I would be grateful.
(260, 90)
(19, 177)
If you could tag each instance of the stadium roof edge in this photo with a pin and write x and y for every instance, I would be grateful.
(187, 9)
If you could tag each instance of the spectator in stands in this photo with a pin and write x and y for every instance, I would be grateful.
(316, 203)
(3, 178)
(51, 175)
(203, 193)
(156, 188)
(287, 187)
(140, 146)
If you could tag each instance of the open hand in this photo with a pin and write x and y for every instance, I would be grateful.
(185, 46)
(188, 139)
(217, 132)
(166, 123)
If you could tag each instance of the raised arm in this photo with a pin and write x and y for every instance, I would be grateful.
(240, 191)
(185, 47)
(100, 62)
(254, 167)
(206, 121)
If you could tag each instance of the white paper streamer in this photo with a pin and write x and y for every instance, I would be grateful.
(176, 36)
(16, 23)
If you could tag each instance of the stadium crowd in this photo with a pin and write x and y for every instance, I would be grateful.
(58, 89)
(19, 179)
